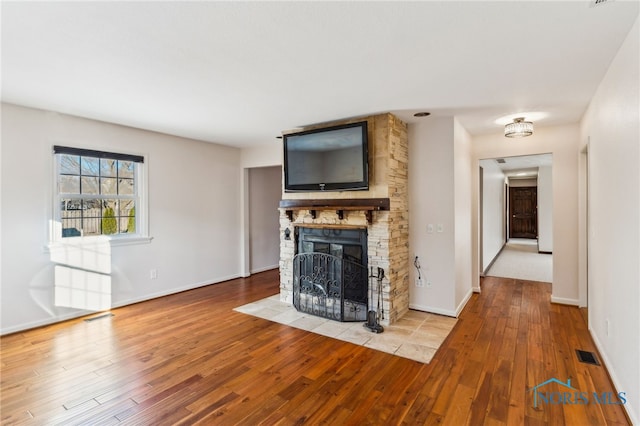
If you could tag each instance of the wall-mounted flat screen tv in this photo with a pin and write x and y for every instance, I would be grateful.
(328, 159)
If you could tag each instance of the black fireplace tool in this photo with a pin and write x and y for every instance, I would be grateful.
(372, 316)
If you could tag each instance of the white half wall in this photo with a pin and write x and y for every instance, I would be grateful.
(193, 198)
(612, 127)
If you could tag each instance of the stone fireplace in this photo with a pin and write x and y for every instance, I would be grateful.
(381, 212)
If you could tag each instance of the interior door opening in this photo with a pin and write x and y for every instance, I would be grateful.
(523, 212)
(520, 186)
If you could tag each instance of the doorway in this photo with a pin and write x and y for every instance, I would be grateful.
(523, 212)
(518, 186)
(264, 193)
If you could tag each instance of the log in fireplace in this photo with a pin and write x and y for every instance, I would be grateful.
(330, 273)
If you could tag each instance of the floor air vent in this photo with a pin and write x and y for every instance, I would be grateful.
(108, 315)
(587, 357)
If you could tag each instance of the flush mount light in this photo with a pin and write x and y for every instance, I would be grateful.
(422, 114)
(519, 128)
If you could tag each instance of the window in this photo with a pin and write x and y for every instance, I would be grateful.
(97, 193)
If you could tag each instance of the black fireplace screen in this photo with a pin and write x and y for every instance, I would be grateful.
(328, 286)
(330, 274)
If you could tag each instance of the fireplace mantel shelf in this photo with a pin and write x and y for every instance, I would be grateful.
(339, 205)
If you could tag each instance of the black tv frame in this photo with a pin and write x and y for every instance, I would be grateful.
(361, 185)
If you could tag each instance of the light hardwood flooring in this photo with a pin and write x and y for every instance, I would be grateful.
(191, 359)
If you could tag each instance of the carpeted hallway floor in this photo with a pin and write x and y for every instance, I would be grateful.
(520, 259)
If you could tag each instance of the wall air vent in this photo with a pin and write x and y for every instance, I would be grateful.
(594, 3)
(500, 160)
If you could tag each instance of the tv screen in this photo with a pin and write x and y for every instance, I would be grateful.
(329, 159)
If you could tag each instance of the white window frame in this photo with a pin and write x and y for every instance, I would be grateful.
(141, 235)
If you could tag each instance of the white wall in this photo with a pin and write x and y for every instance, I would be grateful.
(262, 156)
(194, 199)
(432, 202)
(520, 183)
(493, 212)
(612, 125)
(545, 209)
(462, 210)
(563, 143)
(264, 217)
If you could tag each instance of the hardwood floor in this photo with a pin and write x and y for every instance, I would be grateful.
(190, 359)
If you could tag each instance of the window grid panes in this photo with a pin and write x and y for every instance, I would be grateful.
(97, 196)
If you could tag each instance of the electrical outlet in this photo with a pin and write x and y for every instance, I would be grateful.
(419, 282)
(153, 274)
(428, 283)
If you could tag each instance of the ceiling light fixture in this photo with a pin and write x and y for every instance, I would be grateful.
(519, 128)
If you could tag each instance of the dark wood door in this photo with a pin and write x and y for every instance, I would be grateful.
(523, 209)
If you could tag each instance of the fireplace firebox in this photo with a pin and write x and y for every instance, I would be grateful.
(330, 273)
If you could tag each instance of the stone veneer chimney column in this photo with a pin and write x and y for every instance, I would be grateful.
(387, 232)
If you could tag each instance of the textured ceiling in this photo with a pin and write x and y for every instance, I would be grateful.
(239, 73)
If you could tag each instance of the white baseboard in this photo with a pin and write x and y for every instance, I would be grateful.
(433, 310)
(565, 301)
(614, 378)
(504, 244)
(464, 302)
(48, 321)
(440, 311)
(476, 289)
(82, 313)
(265, 268)
(174, 291)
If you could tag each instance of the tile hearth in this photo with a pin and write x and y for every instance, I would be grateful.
(417, 335)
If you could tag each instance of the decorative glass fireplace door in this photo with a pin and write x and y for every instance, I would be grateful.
(330, 273)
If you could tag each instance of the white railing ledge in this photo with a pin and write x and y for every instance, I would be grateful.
(102, 239)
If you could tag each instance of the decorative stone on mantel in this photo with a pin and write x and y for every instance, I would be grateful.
(382, 210)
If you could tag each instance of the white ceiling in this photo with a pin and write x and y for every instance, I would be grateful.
(239, 73)
(521, 166)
